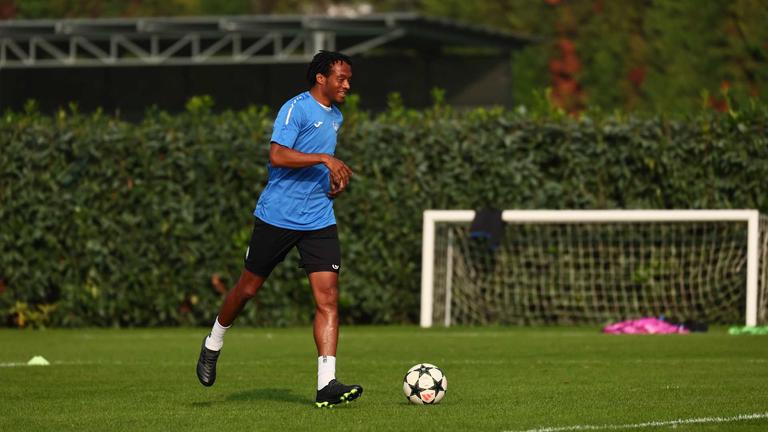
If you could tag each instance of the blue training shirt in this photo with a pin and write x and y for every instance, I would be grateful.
(297, 198)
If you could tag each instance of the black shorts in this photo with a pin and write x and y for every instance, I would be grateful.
(319, 249)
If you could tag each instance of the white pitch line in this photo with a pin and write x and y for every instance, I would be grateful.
(701, 420)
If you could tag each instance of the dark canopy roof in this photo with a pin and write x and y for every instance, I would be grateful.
(250, 39)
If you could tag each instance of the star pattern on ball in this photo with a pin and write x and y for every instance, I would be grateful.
(438, 387)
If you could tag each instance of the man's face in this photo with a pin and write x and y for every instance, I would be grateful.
(337, 83)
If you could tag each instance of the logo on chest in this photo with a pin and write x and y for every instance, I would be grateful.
(336, 125)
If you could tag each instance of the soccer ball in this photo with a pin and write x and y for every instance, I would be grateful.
(425, 384)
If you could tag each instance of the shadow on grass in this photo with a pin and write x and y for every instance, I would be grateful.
(259, 394)
(270, 394)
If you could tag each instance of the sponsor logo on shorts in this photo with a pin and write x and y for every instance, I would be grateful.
(335, 266)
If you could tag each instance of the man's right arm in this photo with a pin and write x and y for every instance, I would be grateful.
(284, 157)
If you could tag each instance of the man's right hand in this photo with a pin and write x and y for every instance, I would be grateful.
(284, 157)
(340, 174)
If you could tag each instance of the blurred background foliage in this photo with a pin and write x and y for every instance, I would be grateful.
(653, 56)
(110, 223)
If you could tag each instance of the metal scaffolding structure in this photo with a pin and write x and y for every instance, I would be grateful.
(253, 39)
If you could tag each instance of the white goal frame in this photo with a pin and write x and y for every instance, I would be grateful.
(751, 217)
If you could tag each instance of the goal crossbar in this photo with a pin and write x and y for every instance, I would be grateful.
(751, 217)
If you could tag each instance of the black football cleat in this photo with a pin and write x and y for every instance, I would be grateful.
(206, 365)
(335, 393)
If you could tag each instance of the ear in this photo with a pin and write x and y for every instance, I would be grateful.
(320, 78)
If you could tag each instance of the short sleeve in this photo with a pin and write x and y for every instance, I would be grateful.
(288, 124)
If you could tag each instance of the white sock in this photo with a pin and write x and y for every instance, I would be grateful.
(215, 340)
(326, 370)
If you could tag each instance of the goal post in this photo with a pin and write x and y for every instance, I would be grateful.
(603, 263)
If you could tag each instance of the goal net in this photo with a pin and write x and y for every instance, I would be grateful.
(594, 267)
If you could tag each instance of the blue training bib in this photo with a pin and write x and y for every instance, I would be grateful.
(297, 198)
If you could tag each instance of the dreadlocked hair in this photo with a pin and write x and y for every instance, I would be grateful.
(322, 63)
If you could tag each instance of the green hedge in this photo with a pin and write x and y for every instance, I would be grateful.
(110, 223)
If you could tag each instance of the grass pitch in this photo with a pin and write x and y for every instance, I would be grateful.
(500, 379)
